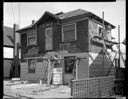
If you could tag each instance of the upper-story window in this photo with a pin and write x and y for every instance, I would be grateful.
(31, 38)
(104, 32)
(69, 32)
(100, 30)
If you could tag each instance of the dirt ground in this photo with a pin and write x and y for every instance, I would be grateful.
(27, 90)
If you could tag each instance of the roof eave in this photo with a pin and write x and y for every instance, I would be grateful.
(100, 19)
(20, 30)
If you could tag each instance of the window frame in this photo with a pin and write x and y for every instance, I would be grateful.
(69, 59)
(31, 37)
(48, 28)
(63, 32)
(99, 34)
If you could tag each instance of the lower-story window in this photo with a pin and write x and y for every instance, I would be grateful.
(31, 65)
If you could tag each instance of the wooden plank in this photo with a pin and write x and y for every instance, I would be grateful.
(50, 72)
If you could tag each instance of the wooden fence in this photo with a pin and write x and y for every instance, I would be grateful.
(119, 81)
(93, 87)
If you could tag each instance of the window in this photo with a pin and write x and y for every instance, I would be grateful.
(31, 38)
(19, 53)
(31, 65)
(69, 32)
(48, 39)
(100, 31)
(8, 52)
(69, 64)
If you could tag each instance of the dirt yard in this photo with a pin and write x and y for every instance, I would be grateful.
(35, 90)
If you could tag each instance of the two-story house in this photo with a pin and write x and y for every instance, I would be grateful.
(71, 34)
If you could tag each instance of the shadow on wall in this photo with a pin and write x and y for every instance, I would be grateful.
(100, 65)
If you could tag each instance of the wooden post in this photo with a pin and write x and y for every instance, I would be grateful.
(16, 50)
(76, 70)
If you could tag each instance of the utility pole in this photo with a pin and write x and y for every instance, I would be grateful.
(119, 44)
(16, 50)
(103, 38)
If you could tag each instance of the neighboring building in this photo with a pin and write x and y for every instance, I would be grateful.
(124, 41)
(70, 34)
(8, 49)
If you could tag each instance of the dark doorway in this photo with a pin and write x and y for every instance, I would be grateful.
(69, 64)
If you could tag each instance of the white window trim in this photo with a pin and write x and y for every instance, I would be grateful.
(63, 32)
(99, 26)
(35, 37)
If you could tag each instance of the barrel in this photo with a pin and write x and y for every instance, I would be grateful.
(57, 76)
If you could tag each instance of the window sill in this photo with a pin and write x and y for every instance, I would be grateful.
(33, 45)
(69, 41)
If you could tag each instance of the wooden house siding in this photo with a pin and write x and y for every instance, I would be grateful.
(23, 43)
(81, 43)
(82, 35)
(41, 38)
(57, 36)
(93, 31)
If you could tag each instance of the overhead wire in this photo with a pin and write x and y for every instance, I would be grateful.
(13, 12)
(19, 13)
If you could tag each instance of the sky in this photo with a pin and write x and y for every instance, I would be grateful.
(24, 12)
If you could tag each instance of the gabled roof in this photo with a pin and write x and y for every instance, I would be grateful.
(124, 42)
(72, 13)
(66, 15)
(27, 27)
(49, 14)
(8, 35)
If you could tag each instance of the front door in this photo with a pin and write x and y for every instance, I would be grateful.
(48, 39)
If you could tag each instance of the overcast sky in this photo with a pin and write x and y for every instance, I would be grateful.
(23, 13)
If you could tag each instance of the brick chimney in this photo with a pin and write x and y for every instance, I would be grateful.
(33, 21)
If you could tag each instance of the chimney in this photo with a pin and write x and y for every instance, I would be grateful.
(16, 38)
(33, 22)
